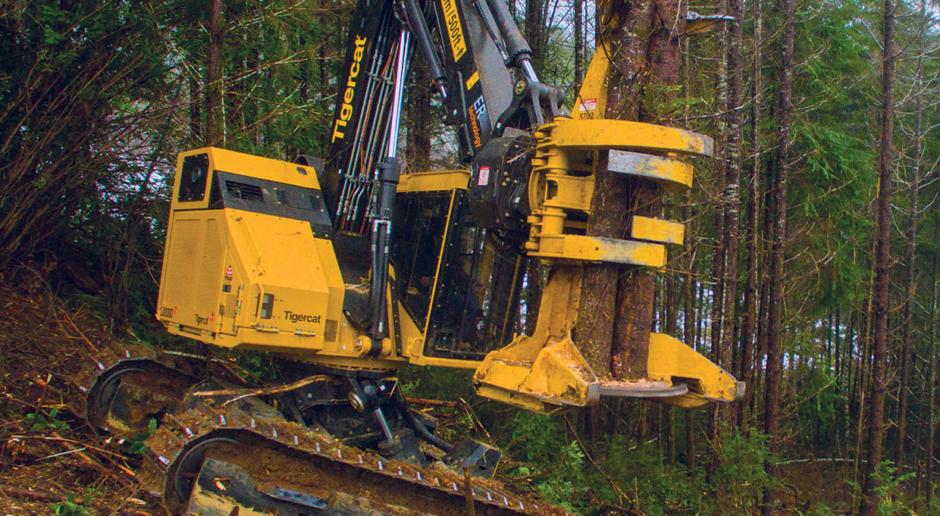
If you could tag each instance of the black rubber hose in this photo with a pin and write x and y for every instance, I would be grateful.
(516, 45)
(419, 27)
(419, 427)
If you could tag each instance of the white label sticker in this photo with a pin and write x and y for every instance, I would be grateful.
(483, 178)
(588, 105)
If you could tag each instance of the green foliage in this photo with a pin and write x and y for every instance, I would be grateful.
(741, 476)
(656, 487)
(70, 507)
(437, 383)
(820, 406)
(889, 487)
(135, 445)
(555, 465)
(39, 422)
(262, 366)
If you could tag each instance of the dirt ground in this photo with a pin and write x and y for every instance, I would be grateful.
(51, 462)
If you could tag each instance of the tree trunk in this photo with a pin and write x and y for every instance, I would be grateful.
(883, 264)
(749, 324)
(932, 380)
(911, 271)
(578, 45)
(195, 114)
(718, 267)
(616, 309)
(214, 118)
(732, 195)
(535, 30)
(690, 327)
(777, 277)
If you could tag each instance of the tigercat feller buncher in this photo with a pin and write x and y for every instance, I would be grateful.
(350, 268)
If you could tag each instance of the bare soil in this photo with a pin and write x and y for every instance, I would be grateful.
(50, 459)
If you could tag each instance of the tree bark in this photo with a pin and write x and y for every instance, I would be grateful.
(777, 277)
(578, 45)
(911, 270)
(749, 323)
(689, 332)
(616, 309)
(883, 264)
(732, 195)
(535, 30)
(214, 119)
(932, 377)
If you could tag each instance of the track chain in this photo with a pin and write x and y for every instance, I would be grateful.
(203, 418)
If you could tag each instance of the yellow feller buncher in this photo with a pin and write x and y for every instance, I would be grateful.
(350, 268)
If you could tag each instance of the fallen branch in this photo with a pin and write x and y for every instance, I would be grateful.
(430, 403)
(89, 460)
(19, 492)
(264, 391)
(823, 459)
(66, 440)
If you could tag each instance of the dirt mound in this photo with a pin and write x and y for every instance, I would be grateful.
(50, 460)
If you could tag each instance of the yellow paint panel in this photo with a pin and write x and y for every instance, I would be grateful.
(473, 80)
(607, 250)
(593, 91)
(437, 181)
(623, 134)
(671, 360)
(657, 230)
(256, 166)
(454, 29)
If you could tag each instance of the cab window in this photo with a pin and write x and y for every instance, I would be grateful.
(193, 178)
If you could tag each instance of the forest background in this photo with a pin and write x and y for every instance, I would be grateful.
(97, 97)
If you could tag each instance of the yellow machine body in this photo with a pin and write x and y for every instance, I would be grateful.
(249, 264)
(252, 262)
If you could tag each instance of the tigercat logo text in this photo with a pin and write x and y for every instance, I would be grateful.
(474, 127)
(346, 109)
(454, 30)
(295, 318)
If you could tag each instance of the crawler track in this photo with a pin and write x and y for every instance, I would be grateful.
(278, 455)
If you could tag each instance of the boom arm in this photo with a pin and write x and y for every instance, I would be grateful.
(480, 67)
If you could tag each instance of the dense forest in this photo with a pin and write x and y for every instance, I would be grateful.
(810, 267)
